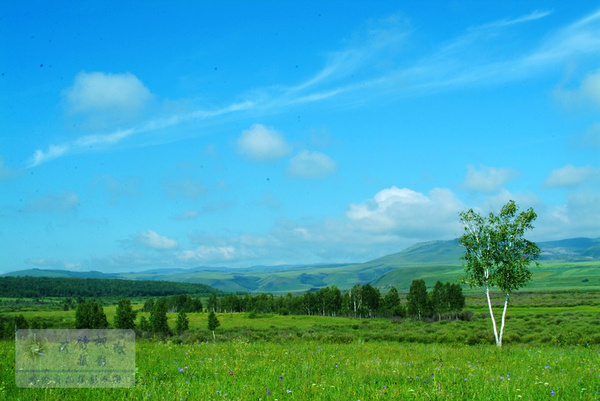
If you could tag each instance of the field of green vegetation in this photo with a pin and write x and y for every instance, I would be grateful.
(304, 369)
(552, 351)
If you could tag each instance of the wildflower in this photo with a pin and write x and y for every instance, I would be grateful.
(180, 369)
(552, 392)
(288, 391)
(268, 392)
(280, 377)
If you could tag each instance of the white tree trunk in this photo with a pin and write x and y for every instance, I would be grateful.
(487, 293)
(503, 320)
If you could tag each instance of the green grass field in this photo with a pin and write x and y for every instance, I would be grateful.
(552, 351)
(312, 370)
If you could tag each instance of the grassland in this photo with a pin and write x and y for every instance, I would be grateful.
(303, 369)
(552, 351)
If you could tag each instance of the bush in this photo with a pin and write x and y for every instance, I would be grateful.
(466, 316)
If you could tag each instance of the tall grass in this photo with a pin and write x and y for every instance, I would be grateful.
(303, 369)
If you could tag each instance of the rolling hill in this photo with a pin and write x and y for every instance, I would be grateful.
(565, 264)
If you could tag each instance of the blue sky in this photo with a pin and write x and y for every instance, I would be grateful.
(246, 133)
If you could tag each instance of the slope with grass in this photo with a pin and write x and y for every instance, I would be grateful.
(565, 264)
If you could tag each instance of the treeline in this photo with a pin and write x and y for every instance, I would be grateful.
(444, 301)
(10, 324)
(37, 287)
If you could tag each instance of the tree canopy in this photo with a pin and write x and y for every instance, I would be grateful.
(496, 253)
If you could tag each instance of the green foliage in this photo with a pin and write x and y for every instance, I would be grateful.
(125, 315)
(497, 254)
(495, 250)
(212, 304)
(183, 323)
(213, 321)
(417, 299)
(148, 305)
(158, 319)
(145, 325)
(90, 315)
(10, 324)
(32, 287)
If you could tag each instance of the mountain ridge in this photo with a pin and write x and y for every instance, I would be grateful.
(431, 260)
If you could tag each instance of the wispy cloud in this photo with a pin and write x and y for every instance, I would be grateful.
(488, 179)
(103, 141)
(54, 202)
(570, 176)
(375, 63)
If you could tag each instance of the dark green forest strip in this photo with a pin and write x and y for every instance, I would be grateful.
(34, 287)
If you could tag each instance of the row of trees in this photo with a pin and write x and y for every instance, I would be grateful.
(445, 300)
(360, 301)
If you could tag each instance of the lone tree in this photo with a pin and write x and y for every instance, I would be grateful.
(158, 319)
(183, 323)
(497, 254)
(125, 315)
(213, 323)
(90, 315)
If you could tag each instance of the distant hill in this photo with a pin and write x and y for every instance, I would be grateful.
(574, 249)
(59, 273)
(565, 263)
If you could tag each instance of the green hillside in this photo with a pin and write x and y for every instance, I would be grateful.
(59, 273)
(566, 264)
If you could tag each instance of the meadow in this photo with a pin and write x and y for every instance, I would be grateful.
(552, 351)
(302, 369)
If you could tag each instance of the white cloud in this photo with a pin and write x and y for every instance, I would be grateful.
(409, 214)
(100, 92)
(495, 202)
(487, 179)
(150, 239)
(577, 217)
(588, 92)
(55, 202)
(260, 143)
(569, 176)
(309, 164)
(208, 254)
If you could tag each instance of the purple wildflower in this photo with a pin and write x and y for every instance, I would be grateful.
(552, 392)
(180, 369)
